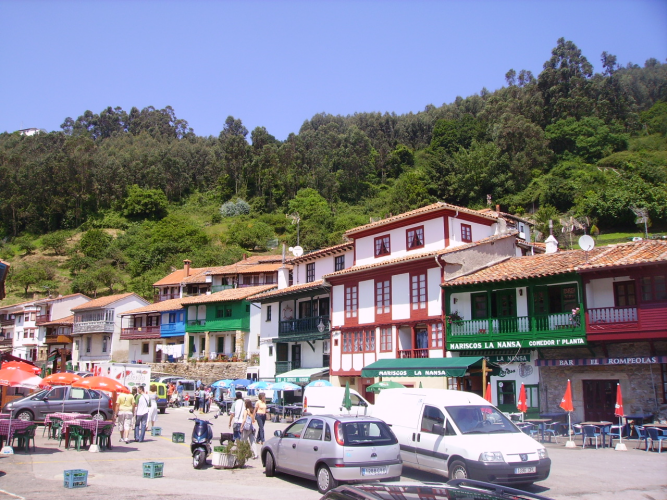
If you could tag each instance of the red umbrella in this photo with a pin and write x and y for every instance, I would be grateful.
(101, 384)
(618, 407)
(22, 366)
(13, 376)
(487, 396)
(521, 403)
(566, 402)
(60, 379)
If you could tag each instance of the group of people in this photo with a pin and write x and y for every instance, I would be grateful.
(136, 410)
(243, 415)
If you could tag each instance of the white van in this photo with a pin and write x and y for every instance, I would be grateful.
(329, 401)
(460, 435)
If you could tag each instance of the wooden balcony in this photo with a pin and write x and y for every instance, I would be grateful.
(159, 297)
(285, 366)
(42, 318)
(646, 321)
(140, 332)
(413, 353)
(303, 325)
(6, 321)
(548, 330)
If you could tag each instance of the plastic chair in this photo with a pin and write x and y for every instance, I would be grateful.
(25, 436)
(79, 435)
(555, 429)
(617, 432)
(104, 437)
(641, 435)
(591, 432)
(55, 427)
(655, 434)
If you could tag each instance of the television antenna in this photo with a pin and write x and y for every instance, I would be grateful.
(295, 220)
(642, 218)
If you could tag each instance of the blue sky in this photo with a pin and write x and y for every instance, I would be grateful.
(277, 63)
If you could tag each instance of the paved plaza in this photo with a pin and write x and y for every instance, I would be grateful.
(117, 474)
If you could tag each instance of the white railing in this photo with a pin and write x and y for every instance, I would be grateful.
(93, 326)
(612, 315)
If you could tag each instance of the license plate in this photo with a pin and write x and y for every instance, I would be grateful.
(525, 470)
(373, 471)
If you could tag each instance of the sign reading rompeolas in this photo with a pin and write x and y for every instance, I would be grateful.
(648, 360)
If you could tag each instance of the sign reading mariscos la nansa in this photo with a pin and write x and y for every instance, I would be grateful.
(510, 344)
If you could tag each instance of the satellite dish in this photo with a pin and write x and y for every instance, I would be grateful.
(586, 243)
(296, 251)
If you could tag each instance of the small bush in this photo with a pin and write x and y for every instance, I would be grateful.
(231, 209)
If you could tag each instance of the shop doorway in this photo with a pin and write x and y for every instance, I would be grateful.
(296, 356)
(533, 401)
(507, 396)
(599, 400)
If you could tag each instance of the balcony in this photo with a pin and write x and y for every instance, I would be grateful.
(285, 366)
(57, 339)
(413, 353)
(601, 317)
(196, 293)
(6, 321)
(140, 332)
(303, 325)
(42, 318)
(165, 296)
(548, 330)
(196, 322)
(220, 288)
(93, 327)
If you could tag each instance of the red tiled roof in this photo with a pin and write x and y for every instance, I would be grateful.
(423, 210)
(177, 277)
(289, 290)
(628, 254)
(422, 255)
(260, 268)
(52, 299)
(67, 320)
(162, 306)
(229, 295)
(343, 247)
(103, 301)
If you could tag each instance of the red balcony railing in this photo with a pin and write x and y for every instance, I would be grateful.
(413, 353)
(42, 318)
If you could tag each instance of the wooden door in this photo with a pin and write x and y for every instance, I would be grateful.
(599, 400)
(506, 390)
(296, 356)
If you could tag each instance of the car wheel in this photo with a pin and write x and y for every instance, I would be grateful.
(458, 470)
(25, 415)
(198, 459)
(325, 481)
(270, 467)
(98, 415)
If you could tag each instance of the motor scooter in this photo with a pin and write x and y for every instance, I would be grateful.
(200, 445)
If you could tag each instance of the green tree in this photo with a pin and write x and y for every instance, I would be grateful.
(94, 243)
(56, 241)
(589, 138)
(26, 244)
(108, 276)
(249, 234)
(30, 274)
(144, 203)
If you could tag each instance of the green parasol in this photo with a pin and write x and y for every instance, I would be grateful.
(347, 400)
(378, 386)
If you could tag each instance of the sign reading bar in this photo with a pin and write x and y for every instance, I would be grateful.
(650, 360)
(516, 344)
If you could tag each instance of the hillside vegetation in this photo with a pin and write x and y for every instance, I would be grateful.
(118, 198)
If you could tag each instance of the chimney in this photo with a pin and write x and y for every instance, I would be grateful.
(552, 244)
(498, 208)
(245, 256)
(186, 267)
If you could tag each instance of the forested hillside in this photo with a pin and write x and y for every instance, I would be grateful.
(569, 141)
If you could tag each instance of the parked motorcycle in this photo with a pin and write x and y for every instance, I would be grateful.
(200, 445)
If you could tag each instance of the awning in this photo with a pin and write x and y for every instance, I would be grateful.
(302, 375)
(422, 367)
(302, 337)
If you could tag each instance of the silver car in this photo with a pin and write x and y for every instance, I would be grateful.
(61, 399)
(331, 449)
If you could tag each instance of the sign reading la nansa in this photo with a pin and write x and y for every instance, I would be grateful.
(516, 344)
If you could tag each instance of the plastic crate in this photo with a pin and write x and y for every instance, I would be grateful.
(76, 478)
(153, 470)
(178, 437)
(156, 431)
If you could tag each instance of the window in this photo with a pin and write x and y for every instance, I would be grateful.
(152, 321)
(362, 341)
(144, 348)
(219, 312)
(386, 339)
(268, 313)
(382, 297)
(624, 294)
(479, 305)
(270, 351)
(105, 343)
(339, 263)
(138, 321)
(414, 238)
(466, 233)
(76, 345)
(310, 272)
(369, 340)
(228, 313)
(314, 430)
(351, 302)
(347, 341)
(172, 317)
(418, 291)
(430, 417)
(382, 246)
(247, 308)
(88, 342)
(436, 335)
(653, 288)
(294, 430)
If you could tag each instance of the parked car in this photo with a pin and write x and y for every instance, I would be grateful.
(329, 401)
(61, 399)
(460, 435)
(188, 388)
(330, 449)
(464, 489)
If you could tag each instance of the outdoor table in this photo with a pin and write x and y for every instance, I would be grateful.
(604, 428)
(92, 425)
(4, 416)
(657, 426)
(293, 411)
(17, 425)
(640, 418)
(67, 416)
(541, 422)
(555, 417)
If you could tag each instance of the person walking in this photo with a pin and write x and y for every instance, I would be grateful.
(152, 414)
(135, 395)
(260, 416)
(247, 427)
(236, 414)
(202, 399)
(209, 397)
(124, 413)
(179, 392)
(143, 407)
(196, 401)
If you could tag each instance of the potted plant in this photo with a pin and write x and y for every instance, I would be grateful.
(455, 318)
(231, 455)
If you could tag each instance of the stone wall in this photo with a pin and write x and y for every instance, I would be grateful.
(206, 372)
(640, 383)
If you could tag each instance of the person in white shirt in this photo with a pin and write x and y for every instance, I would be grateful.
(236, 415)
(143, 408)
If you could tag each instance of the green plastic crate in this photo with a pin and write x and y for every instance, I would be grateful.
(156, 431)
(178, 437)
(153, 470)
(76, 478)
